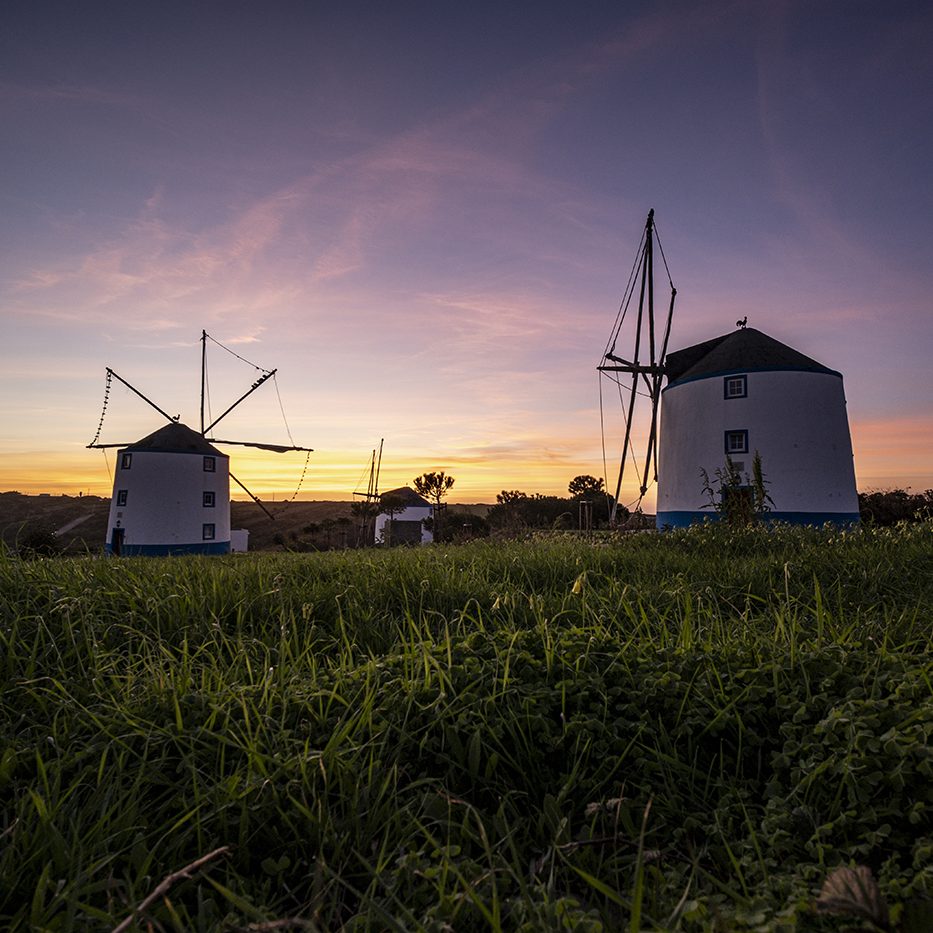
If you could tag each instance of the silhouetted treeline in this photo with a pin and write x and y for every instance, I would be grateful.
(515, 510)
(890, 506)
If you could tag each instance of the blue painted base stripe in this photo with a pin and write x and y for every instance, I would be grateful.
(171, 550)
(683, 519)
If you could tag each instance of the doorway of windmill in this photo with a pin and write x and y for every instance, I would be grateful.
(405, 533)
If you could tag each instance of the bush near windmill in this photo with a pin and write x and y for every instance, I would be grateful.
(890, 506)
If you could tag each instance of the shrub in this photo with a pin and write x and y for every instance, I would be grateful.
(39, 541)
(890, 506)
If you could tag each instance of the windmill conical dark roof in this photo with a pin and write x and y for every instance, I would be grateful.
(176, 438)
(408, 496)
(743, 350)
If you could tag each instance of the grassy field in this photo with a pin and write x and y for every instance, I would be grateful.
(684, 731)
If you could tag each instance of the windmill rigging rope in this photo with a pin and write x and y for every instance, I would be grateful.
(626, 299)
(237, 355)
(261, 369)
(304, 469)
(103, 412)
(615, 379)
(356, 488)
(301, 480)
(602, 432)
(278, 395)
(663, 257)
(207, 391)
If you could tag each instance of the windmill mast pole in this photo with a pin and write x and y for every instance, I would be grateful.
(203, 374)
(653, 382)
(649, 263)
(652, 371)
(636, 367)
(378, 466)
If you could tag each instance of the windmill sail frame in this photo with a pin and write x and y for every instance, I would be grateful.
(631, 374)
(205, 429)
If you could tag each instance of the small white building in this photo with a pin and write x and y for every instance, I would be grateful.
(407, 526)
(746, 392)
(171, 495)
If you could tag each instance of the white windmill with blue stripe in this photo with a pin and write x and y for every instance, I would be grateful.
(726, 400)
(171, 489)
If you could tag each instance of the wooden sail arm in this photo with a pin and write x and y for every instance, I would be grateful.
(274, 448)
(632, 368)
(254, 498)
(148, 401)
(244, 396)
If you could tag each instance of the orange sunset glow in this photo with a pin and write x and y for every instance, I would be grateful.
(426, 225)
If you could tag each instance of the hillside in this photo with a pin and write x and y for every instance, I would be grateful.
(81, 521)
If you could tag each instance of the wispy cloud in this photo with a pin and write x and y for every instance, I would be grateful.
(66, 93)
(335, 214)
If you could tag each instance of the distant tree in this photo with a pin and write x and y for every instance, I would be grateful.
(510, 511)
(515, 510)
(591, 499)
(585, 486)
(390, 504)
(434, 486)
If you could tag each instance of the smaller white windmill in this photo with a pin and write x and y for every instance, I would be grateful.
(171, 490)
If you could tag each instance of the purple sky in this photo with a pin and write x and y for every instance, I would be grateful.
(424, 215)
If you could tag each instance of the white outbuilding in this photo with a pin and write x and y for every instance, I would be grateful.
(171, 495)
(743, 393)
(407, 525)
